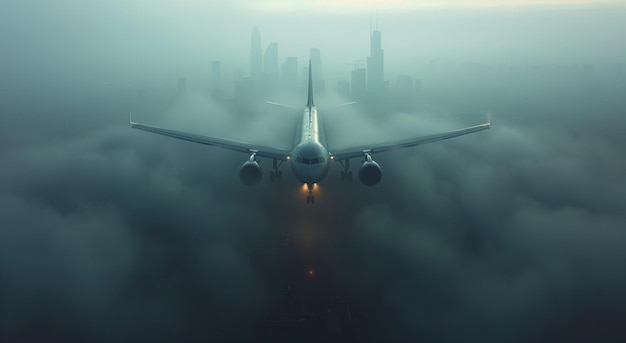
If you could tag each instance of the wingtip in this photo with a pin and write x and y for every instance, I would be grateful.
(130, 119)
(489, 119)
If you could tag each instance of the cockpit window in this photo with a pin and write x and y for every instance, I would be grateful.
(315, 160)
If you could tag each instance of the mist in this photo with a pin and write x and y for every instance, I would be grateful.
(510, 234)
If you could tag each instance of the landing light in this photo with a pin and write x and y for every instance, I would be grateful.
(305, 187)
(332, 157)
(288, 158)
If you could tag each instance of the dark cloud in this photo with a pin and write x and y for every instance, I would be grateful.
(511, 234)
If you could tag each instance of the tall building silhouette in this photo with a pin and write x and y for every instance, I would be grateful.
(270, 64)
(289, 72)
(316, 62)
(375, 65)
(359, 90)
(256, 70)
(316, 68)
(216, 80)
(246, 95)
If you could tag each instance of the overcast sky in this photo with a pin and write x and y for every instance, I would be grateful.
(148, 38)
(514, 234)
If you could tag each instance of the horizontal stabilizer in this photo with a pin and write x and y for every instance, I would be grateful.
(347, 103)
(282, 105)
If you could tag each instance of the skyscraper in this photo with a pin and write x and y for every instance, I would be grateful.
(316, 62)
(255, 55)
(359, 84)
(289, 72)
(375, 65)
(216, 80)
(216, 75)
(270, 64)
(316, 68)
(245, 93)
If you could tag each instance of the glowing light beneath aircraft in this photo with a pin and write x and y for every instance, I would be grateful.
(305, 187)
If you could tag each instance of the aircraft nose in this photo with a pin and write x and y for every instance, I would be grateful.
(310, 162)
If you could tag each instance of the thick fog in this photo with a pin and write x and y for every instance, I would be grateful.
(512, 234)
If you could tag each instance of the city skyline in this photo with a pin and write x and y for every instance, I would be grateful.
(438, 34)
(371, 79)
(269, 76)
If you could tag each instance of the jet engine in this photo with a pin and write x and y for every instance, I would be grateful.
(250, 173)
(370, 173)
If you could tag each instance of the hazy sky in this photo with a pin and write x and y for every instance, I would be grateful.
(148, 38)
(402, 5)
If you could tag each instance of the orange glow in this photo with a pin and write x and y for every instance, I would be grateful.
(311, 272)
(305, 188)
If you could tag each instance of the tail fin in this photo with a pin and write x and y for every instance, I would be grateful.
(310, 102)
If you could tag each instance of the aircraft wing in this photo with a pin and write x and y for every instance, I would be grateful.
(248, 148)
(359, 151)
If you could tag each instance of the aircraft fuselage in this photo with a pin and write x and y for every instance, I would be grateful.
(309, 159)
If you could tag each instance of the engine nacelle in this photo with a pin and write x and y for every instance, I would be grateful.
(250, 173)
(370, 173)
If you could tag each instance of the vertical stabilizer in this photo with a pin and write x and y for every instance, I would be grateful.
(310, 102)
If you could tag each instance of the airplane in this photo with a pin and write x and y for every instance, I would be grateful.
(309, 158)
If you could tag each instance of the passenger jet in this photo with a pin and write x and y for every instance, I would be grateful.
(310, 157)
